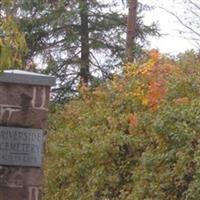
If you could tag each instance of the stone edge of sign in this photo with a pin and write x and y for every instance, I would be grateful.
(24, 77)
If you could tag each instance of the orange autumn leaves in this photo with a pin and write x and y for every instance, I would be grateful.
(151, 80)
(144, 86)
(133, 120)
(151, 84)
(156, 92)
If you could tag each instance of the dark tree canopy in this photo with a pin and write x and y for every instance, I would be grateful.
(80, 41)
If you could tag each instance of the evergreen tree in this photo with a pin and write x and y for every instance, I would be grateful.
(80, 41)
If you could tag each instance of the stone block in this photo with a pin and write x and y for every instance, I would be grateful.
(15, 94)
(30, 118)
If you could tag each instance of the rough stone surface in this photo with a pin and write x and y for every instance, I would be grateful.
(15, 94)
(30, 118)
(22, 106)
(17, 193)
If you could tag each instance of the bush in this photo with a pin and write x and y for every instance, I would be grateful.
(136, 137)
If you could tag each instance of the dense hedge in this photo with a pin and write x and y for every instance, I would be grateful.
(135, 138)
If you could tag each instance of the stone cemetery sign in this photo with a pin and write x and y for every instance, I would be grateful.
(21, 146)
(24, 100)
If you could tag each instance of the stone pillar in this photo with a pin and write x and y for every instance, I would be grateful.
(24, 99)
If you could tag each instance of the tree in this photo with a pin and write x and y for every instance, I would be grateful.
(12, 41)
(85, 49)
(131, 29)
(81, 41)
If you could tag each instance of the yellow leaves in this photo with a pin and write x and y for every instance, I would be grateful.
(154, 55)
(130, 69)
(150, 80)
(145, 85)
(152, 94)
(12, 43)
(145, 101)
(146, 68)
(140, 94)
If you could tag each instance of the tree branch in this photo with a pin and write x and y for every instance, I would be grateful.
(181, 21)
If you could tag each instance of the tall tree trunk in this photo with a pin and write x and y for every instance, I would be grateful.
(131, 30)
(85, 51)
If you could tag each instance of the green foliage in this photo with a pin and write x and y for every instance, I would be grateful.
(12, 45)
(120, 142)
(12, 41)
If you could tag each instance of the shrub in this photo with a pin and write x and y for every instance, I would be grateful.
(136, 137)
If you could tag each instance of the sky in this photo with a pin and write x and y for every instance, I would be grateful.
(171, 41)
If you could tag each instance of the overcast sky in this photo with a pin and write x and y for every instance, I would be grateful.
(171, 42)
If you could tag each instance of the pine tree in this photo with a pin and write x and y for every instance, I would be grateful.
(81, 41)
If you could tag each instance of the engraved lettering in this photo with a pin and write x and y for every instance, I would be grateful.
(21, 146)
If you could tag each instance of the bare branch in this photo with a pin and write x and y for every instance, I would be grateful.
(194, 4)
(181, 22)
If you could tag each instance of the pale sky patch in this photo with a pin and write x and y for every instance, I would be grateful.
(171, 41)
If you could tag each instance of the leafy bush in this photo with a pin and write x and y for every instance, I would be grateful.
(13, 48)
(136, 137)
